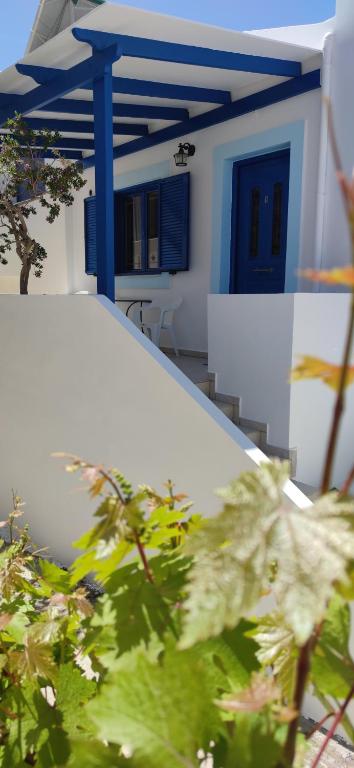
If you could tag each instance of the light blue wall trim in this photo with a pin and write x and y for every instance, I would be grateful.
(291, 135)
(130, 179)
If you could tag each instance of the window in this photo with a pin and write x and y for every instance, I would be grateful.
(137, 224)
(151, 228)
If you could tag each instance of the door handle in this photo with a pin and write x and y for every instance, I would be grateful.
(263, 269)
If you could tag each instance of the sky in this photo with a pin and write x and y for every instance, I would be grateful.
(16, 16)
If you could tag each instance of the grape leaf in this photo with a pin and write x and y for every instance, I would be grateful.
(163, 711)
(73, 691)
(315, 368)
(95, 754)
(339, 275)
(255, 743)
(235, 553)
(332, 668)
(277, 649)
(34, 728)
(53, 576)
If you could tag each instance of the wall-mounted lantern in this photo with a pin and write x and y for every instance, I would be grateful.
(184, 152)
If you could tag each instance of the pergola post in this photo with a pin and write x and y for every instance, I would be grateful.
(103, 123)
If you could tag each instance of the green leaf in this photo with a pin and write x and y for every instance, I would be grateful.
(55, 577)
(94, 754)
(163, 712)
(255, 744)
(255, 535)
(332, 668)
(73, 691)
(35, 727)
(277, 649)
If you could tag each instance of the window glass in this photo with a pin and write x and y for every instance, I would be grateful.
(277, 214)
(254, 226)
(133, 232)
(153, 229)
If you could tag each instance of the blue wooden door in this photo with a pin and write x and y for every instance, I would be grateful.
(260, 218)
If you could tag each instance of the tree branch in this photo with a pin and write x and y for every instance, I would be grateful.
(334, 726)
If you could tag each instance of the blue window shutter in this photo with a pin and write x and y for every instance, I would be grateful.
(174, 223)
(90, 236)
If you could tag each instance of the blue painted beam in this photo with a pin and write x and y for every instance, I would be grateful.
(135, 87)
(103, 118)
(73, 78)
(158, 50)
(80, 144)
(85, 126)
(287, 90)
(83, 107)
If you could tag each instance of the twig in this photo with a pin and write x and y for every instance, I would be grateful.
(334, 726)
(303, 669)
(319, 725)
(339, 405)
(142, 554)
(348, 483)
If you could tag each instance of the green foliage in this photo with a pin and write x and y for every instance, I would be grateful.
(257, 540)
(49, 182)
(163, 668)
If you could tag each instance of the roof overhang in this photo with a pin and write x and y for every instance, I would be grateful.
(53, 16)
(171, 78)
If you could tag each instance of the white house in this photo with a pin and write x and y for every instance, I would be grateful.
(228, 231)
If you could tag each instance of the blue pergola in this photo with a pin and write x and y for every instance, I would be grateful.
(95, 74)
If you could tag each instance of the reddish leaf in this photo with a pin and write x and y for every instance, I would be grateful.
(315, 368)
(338, 276)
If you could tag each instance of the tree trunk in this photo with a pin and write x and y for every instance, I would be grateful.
(25, 272)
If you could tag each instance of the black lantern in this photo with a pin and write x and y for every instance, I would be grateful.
(184, 152)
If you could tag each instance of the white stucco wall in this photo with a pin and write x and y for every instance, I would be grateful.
(266, 336)
(333, 243)
(319, 330)
(76, 376)
(194, 286)
(55, 273)
(250, 342)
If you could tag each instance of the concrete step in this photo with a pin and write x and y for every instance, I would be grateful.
(226, 408)
(204, 387)
(253, 434)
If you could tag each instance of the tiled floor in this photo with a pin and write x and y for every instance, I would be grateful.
(196, 368)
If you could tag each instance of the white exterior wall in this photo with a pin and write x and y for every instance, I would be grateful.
(333, 244)
(76, 376)
(64, 271)
(266, 336)
(55, 273)
(194, 286)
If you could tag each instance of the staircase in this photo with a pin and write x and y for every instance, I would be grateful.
(256, 431)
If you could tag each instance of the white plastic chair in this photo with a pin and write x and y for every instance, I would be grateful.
(163, 314)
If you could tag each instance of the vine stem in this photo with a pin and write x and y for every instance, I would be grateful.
(348, 483)
(333, 727)
(303, 669)
(339, 405)
(144, 560)
(319, 725)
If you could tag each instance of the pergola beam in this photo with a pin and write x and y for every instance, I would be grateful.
(65, 83)
(84, 107)
(84, 126)
(277, 93)
(136, 87)
(79, 144)
(177, 53)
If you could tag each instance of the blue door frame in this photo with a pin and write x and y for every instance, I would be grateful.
(260, 196)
